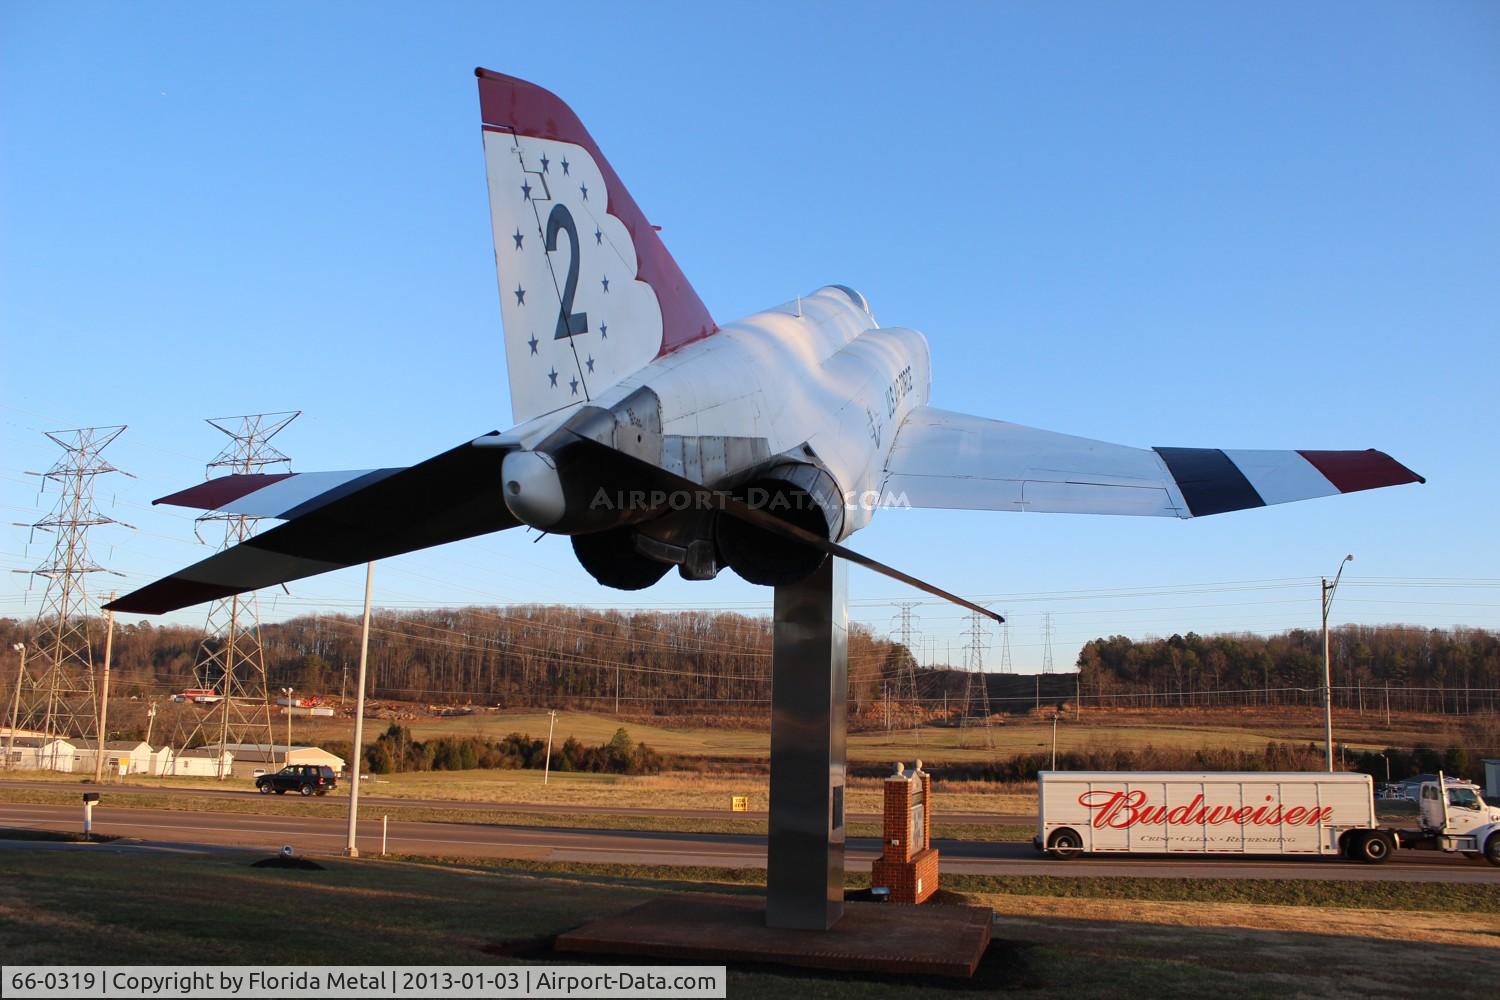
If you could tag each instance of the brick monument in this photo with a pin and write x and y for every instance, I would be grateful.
(908, 865)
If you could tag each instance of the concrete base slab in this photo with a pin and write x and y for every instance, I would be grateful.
(932, 940)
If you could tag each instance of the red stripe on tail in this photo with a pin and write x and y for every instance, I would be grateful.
(530, 110)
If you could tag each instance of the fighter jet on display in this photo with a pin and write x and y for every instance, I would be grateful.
(658, 438)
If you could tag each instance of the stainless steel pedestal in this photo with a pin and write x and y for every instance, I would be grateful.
(809, 699)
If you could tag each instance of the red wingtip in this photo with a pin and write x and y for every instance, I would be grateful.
(1352, 471)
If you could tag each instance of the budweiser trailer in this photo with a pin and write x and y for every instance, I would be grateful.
(1179, 812)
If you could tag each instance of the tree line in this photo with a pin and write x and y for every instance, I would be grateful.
(1406, 668)
(702, 663)
(396, 750)
(715, 666)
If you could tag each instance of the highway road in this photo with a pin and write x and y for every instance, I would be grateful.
(314, 835)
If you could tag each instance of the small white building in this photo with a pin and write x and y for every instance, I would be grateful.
(252, 757)
(120, 757)
(161, 760)
(39, 753)
(200, 762)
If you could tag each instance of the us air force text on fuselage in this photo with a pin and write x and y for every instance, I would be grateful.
(480, 981)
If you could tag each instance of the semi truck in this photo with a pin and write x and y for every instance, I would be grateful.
(1454, 817)
(1300, 813)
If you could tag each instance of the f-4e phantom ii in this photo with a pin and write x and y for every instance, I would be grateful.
(658, 438)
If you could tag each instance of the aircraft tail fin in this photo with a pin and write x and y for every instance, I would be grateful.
(588, 292)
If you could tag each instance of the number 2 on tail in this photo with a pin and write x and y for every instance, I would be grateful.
(569, 323)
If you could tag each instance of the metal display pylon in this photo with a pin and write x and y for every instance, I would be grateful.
(809, 734)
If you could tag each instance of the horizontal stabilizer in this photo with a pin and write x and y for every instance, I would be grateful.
(284, 495)
(957, 461)
(378, 514)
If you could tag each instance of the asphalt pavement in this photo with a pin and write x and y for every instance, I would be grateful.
(320, 835)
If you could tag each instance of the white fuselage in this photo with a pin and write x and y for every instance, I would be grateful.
(817, 372)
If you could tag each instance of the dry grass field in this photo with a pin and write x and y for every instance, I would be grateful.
(712, 789)
(1243, 728)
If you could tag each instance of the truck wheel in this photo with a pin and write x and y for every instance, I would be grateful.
(263, 789)
(1066, 844)
(1372, 848)
(306, 790)
(1492, 850)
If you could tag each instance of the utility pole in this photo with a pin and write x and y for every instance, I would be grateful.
(1328, 591)
(15, 704)
(547, 764)
(109, 648)
(1054, 739)
(351, 845)
(150, 719)
(288, 692)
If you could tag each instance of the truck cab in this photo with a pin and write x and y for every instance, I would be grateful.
(1456, 817)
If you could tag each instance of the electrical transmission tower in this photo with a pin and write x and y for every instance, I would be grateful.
(1006, 666)
(908, 698)
(231, 660)
(55, 690)
(976, 682)
(1047, 643)
(1046, 656)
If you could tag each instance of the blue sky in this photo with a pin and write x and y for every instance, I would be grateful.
(1224, 225)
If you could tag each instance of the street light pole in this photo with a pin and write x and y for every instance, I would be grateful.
(1328, 590)
(109, 648)
(351, 848)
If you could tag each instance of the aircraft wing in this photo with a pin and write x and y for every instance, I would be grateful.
(953, 460)
(333, 520)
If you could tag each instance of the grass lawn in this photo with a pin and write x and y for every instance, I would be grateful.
(672, 790)
(337, 809)
(98, 905)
